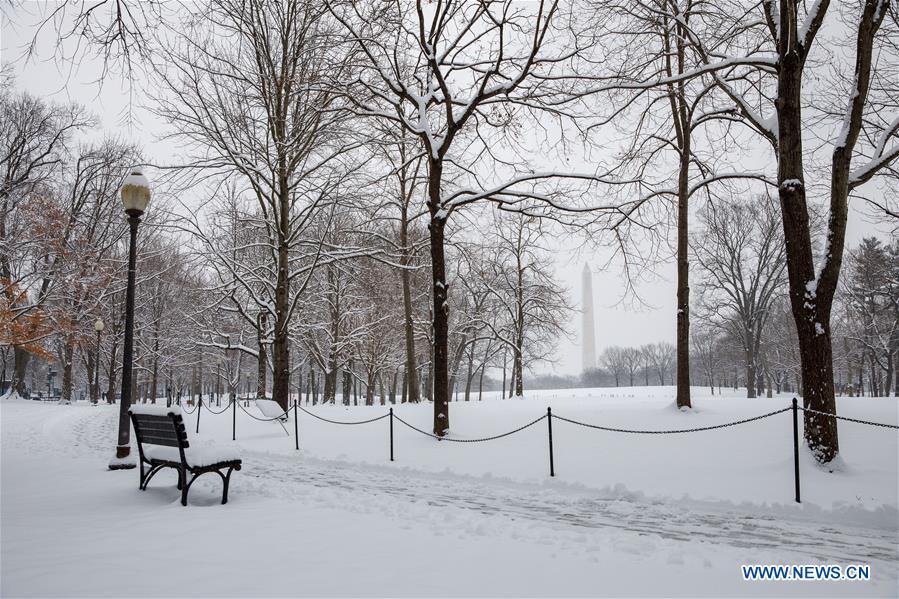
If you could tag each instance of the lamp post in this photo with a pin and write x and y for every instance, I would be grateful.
(98, 326)
(135, 197)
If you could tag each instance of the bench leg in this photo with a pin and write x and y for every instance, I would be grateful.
(145, 480)
(185, 488)
(227, 481)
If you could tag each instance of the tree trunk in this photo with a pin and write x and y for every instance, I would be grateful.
(410, 391)
(91, 365)
(441, 307)
(262, 358)
(750, 372)
(811, 312)
(111, 382)
(370, 389)
(347, 384)
(67, 355)
(405, 386)
(393, 380)
(155, 380)
(683, 279)
(481, 381)
(502, 394)
(469, 374)
(20, 367)
(517, 366)
(454, 369)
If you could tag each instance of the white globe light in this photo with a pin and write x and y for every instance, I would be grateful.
(135, 192)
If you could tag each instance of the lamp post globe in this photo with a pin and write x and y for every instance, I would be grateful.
(135, 193)
(135, 199)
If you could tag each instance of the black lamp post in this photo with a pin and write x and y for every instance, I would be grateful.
(135, 197)
(98, 326)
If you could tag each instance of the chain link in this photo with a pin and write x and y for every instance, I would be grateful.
(340, 422)
(184, 409)
(868, 422)
(222, 411)
(500, 436)
(674, 431)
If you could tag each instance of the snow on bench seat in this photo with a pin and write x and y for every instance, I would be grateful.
(151, 410)
(196, 457)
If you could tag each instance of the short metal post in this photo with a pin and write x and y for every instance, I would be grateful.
(296, 426)
(234, 419)
(391, 434)
(199, 409)
(796, 445)
(549, 424)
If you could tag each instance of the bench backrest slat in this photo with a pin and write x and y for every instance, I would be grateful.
(160, 430)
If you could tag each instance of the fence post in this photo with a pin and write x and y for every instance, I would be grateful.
(391, 434)
(199, 409)
(796, 445)
(234, 419)
(549, 424)
(296, 426)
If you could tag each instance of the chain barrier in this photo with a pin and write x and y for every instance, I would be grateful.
(480, 440)
(868, 422)
(340, 422)
(222, 411)
(184, 408)
(794, 408)
(674, 431)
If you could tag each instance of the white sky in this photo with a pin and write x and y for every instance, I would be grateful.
(617, 323)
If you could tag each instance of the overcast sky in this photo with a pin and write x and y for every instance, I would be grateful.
(617, 323)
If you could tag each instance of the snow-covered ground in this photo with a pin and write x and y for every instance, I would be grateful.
(644, 515)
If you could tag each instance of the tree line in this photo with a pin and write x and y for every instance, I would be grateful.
(413, 138)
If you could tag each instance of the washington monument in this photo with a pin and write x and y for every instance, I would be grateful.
(588, 332)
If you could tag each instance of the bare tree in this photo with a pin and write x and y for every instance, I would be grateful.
(741, 260)
(872, 295)
(245, 88)
(34, 138)
(856, 111)
(534, 305)
(706, 353)
(613, 360)
(451, 74)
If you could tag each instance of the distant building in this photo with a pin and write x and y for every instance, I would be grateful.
(588, 330)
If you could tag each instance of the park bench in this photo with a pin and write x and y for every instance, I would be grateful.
(162, 443)
(272, 411)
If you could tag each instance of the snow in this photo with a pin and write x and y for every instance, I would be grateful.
(636, 515)
(811, 292)
(136, 178)
(810, 17)
(154, 410)
(270, 408)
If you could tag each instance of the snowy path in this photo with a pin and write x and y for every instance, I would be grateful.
(554, 511)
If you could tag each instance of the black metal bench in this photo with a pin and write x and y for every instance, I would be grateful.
(162, 443)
